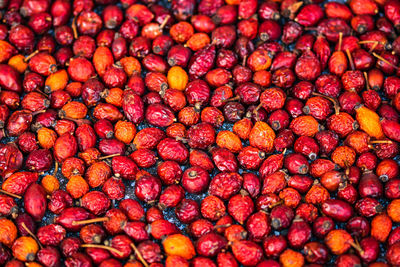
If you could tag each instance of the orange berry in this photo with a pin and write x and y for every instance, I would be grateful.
(338, 241)
(131, 65)
(133, 263)
(259, 60)
(179, 245)
(243, 128)
(305, 125)
(46, 137)
(124, 131)
(344, 156)
(18, 63)
(8, 232)
(174, 260)
(114, 96)
(262, 136)
(176, 130)
(235, 232)
(189, 116)
(181, 31)
(98, 173)
(77, 186)
(317, 194)
(262, 78)
(74, 110)
(25, 248)
(230, 141)
(102, 59)
(198, 41)
(232, 2)
(369, 122)
(7, 50)
(177, 78)
(50, 183)
(358, 140)
(291, 197)
(33, 264)
(291, 258)
(393, 210)
(381, 226)
(56, 81)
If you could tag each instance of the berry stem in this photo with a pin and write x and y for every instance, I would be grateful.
(95, 220)
(350, 59)
(165, 21)
(10, 194)
(74, 28)
(384, 60)
(340, 41)
(139, 255)
(27, 58)
(111, 249)
(109, 156)
(31, 234)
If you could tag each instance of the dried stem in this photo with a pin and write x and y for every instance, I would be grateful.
(42, 93)
(55, 168)
(62, 115)
(10, 194)
(38, 112)
(95, 220)
(74, 29)
(373, 47)
(109, 156)
(356, 246)
(276, 204)
(292, 10)
(165, 21)
(334, 101)
(255, 111)
(368, 42)
(27, 58)
(340, 41)
(231, 99)
(244, 61)
(103, 247)
(31, 234)
(381, 142)
(139, 255)
(366, 80)
(384, 60)
(350, 59)
(222, 226)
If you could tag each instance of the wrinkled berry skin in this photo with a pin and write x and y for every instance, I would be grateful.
(201, 62)
(148, 188)
(11, 158)
(299, 233)
(39, 160)
(209, 245)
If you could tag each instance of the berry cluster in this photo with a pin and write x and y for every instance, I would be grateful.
(210, 133)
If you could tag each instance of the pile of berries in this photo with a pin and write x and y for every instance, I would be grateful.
(203, 133)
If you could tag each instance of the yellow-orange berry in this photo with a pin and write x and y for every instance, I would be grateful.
(77, 186)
